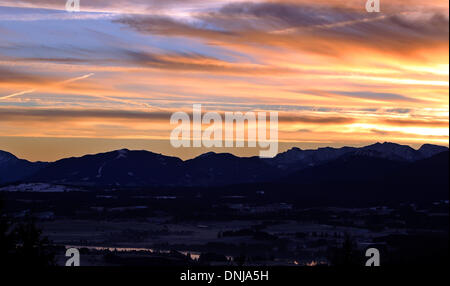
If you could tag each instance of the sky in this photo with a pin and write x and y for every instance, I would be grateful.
(110, 76)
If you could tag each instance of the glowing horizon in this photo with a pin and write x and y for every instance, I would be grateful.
(335, 73)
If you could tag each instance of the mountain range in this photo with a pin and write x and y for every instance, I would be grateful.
(125, 168)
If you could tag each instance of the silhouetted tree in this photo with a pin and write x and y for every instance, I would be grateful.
(21, 243)
(7, 244)
(31, 248)
(347, 254)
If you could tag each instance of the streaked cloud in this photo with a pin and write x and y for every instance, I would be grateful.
(18, 94)
(334, 72)
(375, 95)
(310, 27)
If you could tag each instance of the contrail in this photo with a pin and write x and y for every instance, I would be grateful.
(123, 100)
(77, 78)
(107, 97)
(33, 90)
(18, 93)
(98, 96)
(330, 26)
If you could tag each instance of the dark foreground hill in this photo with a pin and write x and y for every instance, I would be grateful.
(124, 168)
(353, 179)
(14, 169)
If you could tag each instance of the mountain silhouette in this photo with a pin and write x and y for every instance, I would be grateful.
(14, 169)
(117, 168)
(354, 167)
(356, 179)
(127, 168)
